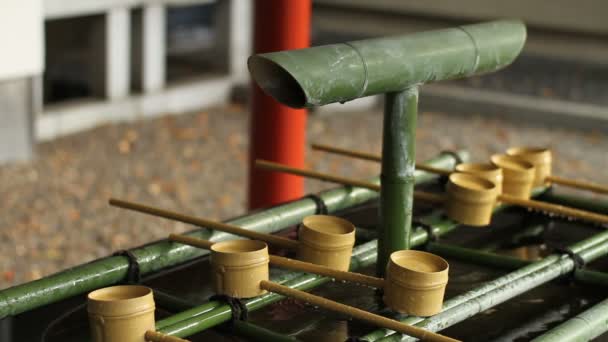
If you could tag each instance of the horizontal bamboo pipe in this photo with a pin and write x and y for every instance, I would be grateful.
(155, 336)
(355, 313)
(374, 157)
(436, 198)
(295, 265)
(578, 184)
(264, 164)
(224, 227)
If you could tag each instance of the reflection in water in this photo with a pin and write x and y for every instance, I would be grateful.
(538, 325)
(530, 252)
(326, 330)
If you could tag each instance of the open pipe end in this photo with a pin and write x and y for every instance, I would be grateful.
(276, 81)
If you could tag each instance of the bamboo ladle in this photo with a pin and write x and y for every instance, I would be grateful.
(436, 198)
(577, 184)
(321, 236)
(201, 222)
(323, 302)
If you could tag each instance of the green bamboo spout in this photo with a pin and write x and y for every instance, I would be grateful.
(394, 66)
(343, 72)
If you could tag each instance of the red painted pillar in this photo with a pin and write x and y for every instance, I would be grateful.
(278, 133)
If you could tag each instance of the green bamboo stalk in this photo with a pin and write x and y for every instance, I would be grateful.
(343, 72)
(379, 334)
(533, 230)
(170, 302)
(397, 178)
(585, 326)
(598, 205)
(476, 257)
(242, 328)
(501, 289)
(494, 260)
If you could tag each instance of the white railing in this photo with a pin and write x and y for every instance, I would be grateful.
(157, 97)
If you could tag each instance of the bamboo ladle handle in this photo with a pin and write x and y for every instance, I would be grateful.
(191, 241)
(292, 264)
(554, 208)
(268, 165)
(155, 336)
(437, 198)
(578, 184)
(355, 313)
(374, 157)
(224, 227)
(307, 267)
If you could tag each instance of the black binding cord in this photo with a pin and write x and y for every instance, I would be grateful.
(133, 272)
(237, 307)
(579, 262)
(430, 231)
(321, 208)
(133, 277)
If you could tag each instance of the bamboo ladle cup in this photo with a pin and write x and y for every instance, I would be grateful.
(321, 236)
(124, 313)
(266, 285)
(292, 263)
(539, 157)
(439, 199)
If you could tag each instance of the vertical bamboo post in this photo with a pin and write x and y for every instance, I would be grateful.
(397, 178)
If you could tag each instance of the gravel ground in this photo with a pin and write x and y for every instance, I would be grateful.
(55, 213)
